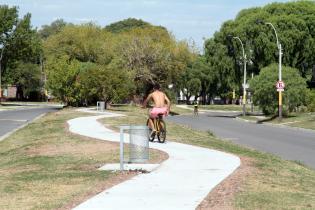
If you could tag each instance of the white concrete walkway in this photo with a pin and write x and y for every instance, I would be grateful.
(181, 182)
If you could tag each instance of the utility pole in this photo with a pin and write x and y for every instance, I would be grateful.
(244, 82)
(280, 72)
(1, 55)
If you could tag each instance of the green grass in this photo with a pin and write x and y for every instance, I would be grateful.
(43, 166)
(300, 120)
(4, 108)
(30, 102)
(229, 107)
(274, 184)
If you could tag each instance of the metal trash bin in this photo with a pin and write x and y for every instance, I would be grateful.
(138, 139)
(100, 106)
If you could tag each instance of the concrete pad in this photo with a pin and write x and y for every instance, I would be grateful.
(132, 167)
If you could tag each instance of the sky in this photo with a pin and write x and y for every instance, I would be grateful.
(191, 20)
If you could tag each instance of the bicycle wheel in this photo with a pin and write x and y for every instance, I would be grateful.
(162, 133)
(151, 135)
(195, 111)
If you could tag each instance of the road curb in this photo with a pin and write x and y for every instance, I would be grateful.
(277, 125)
(22, 126)
(207, 110)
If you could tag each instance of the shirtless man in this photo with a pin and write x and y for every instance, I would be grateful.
(161, 104)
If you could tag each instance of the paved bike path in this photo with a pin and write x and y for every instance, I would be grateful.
(180, 182)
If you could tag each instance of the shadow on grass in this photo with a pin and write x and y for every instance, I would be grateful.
(173, 113)
(225, 116)
(267, 119)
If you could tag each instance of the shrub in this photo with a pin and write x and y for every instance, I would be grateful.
(265, 94)
(310, 101)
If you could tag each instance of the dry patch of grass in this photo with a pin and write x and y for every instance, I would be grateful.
(221, 197)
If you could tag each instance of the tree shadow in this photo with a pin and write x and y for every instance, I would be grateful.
(267, 119)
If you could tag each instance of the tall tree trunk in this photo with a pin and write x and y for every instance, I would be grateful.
(19, 92)
(187, 99)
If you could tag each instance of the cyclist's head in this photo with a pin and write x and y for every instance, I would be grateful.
(156, 86)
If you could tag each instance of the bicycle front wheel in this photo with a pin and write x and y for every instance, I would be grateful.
(162, 132)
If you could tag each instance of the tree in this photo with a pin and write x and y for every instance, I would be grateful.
(21, 49)
(265, 94)
(221, 68)
(196, 79)
(294, 22)
(28, 80)
(207, 77)
(310, 101)
(85, 43)
(108, 83)
(62, 75)
(8, 20)
(151, 55)
(129, 24)
(52, 29)
(101, 65)
(81, 67)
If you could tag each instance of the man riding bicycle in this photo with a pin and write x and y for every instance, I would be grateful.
(195, 107)
(161, 105)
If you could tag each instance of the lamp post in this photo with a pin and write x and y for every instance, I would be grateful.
(280, 71)
(244, 83)
(1, 55)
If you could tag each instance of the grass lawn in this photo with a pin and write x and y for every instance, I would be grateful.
(300, 120)
(274, 183)
(30, 103)
(4, 108)
(44, 166)
(229, 107)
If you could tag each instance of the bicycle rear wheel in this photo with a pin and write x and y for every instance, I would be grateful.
(151, 135)
(162, 132)
(195, 111)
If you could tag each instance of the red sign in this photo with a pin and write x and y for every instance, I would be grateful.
(280, 85)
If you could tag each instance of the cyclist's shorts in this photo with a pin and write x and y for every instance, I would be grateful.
(156, 111)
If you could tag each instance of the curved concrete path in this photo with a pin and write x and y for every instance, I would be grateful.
(181, 182)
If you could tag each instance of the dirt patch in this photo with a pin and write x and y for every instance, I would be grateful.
(221, 197)
(74, 149)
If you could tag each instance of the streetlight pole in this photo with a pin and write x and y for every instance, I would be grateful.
(280, 70)
(1, 55)
(244, 83)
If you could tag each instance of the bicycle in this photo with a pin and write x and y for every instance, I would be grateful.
(160, 128)
(196, 111)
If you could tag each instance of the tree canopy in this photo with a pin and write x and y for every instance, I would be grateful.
(128, 24)
(20, 46)
(54, 28)
(294, 23)
(85, 62)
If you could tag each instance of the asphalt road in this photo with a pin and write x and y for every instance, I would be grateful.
(288, 143)
(13, 119)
